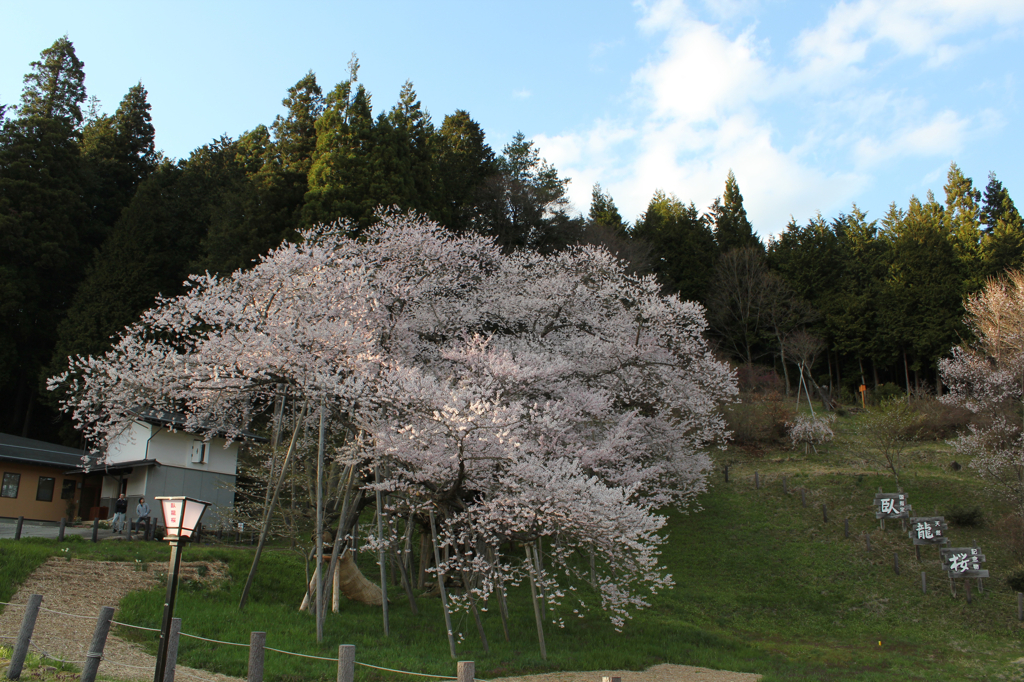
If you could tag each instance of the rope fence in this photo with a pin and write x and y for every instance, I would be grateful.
(345, 659)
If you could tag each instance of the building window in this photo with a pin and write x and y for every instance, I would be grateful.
(199, 451)
(44, 493)
(10, 486)
(67, 489)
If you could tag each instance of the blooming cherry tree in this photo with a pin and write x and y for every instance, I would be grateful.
(987, 377)
(524, 398)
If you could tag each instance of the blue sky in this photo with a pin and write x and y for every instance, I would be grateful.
(814, 105)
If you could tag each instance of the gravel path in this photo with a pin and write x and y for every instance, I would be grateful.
(82, 587)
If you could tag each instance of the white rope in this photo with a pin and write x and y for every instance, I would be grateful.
(8, 603)
(52, 657)
(292, 653)
(137, 627)
(215, 641)
(406, 672)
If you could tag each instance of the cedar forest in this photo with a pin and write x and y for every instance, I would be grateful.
(95, 224)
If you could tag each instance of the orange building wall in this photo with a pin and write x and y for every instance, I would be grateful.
(26, 503)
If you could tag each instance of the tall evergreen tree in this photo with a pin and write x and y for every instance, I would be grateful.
(42, 218)
(603, 210)
(732, 229)
(118, 153)
(682, 247)
(463, 163)
(55, 87)
(1002, 245)
(962, 222)
(524, 205)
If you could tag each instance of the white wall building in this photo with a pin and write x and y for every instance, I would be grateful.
(150, 460)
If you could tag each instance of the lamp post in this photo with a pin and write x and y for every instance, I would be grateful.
(181, 516)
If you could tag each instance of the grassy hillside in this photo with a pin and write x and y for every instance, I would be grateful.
(763, 584)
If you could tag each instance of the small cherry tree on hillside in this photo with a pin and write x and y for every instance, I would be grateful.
(987, 377)
(518, 398)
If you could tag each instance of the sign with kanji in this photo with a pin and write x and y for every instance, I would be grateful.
(929, 530)
(963, 562)
(892, 506)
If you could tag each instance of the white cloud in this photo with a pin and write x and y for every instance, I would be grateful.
(522, 94)
(707, 98)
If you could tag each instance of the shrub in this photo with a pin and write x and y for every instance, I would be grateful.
(939, 421)
(757, 379)
(964, 517)
(1016, 579)
(758, 419)
(889, 429)
(885, 393)
(812, 430)
(1011, 529)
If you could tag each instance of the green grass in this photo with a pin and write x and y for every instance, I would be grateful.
(762, 585)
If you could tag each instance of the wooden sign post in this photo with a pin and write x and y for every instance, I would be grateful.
(891, 506)
(962, 562)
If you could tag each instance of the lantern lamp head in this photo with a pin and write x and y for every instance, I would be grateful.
(181, 515)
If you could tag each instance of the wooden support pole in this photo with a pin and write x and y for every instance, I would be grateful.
(803, 497)
(440, 585)
(99, 640)
(257, 640)
(346, 663)
(28, 624)
(172, 649)
(917, 551)
(536, 604)
(967, 587)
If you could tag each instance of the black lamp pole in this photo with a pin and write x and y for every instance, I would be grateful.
(172, 592)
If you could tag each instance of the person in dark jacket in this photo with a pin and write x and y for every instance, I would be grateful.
(120, 511)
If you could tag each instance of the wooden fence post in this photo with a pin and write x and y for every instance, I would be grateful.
(346, 663)
(99, 640)
(60, 533)
(172, 649)
(17, 528)
(896, 562)
(1020, 606)
(924, 583)
(757, 481)
(967, 586)
(824, 514)
(846, 527)
(867, 540)
(726, 473)
(785, 486)
(467, 671)
(28, 623)
(96, 529)
(256, 642)
(803, 497)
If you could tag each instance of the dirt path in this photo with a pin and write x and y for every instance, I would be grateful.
(82, 587)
